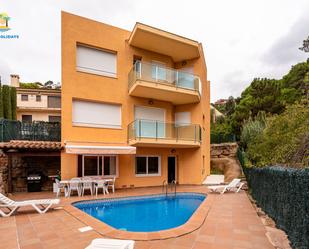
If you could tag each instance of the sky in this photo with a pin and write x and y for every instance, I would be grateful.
(242, 39)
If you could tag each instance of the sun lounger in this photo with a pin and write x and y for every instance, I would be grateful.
(111, 244)
(234, 185)
(41, 205)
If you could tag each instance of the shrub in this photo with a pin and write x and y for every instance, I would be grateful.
(13, 102)
(7, 109)
(284, 140)
(1, 102)
(252, 128)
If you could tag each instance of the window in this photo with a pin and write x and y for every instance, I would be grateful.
(109, 165)
(96, 61)
(26, 118)
(182, 118)
(38, 98)
(53, 102)
(158, 71)
(91, 165)
(54, 119)
(94, 114)
(147, 166)
(150, 122)
(24, 97)
(97, 165)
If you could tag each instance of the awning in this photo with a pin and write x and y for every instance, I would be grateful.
(98, 149)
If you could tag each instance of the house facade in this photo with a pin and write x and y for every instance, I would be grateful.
(135, 104)
(37, 104)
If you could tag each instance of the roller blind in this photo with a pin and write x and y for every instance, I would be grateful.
(96, 61)
(93, 114)
(182, 118)
(147, 113)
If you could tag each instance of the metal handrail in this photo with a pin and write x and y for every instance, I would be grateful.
(174, 183)
(166, 186)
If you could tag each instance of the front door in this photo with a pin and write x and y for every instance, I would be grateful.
(171, 168)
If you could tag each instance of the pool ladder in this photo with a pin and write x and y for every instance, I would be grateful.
(172, 185)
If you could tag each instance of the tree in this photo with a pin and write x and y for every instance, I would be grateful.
(6, 96)
(305, 46)
(1, 102)
(5, 17)
(13, 102)
(230, 106)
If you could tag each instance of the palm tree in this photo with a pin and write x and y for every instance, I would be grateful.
(5, 17)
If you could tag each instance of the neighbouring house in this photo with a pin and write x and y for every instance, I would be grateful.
(135, 104)
(216, 114)
(221, 102)
(37, 104)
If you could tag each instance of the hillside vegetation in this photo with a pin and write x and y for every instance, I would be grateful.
(271, 119)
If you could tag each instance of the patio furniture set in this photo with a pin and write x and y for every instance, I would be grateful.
(80, 185)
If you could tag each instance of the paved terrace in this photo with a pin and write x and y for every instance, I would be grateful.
(231, 223)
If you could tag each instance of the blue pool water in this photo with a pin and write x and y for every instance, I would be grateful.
(145, 213)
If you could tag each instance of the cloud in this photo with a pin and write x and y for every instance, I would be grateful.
(285, 50)
(5, 71)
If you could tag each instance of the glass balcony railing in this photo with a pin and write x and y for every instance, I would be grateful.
(152, 129)
(163, 75)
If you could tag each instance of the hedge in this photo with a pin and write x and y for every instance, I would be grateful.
(6, 96)
(283, 193)
(13, 102)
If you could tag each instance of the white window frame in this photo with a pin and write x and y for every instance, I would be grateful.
(148, 175)
(98, 165)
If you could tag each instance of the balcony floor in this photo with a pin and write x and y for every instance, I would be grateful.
(164, 92)
(163, 143)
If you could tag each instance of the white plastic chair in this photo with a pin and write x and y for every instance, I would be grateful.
(101, 184)
(111, 184)
(87, 184)
(75, 184)
(111, 243)
(234, 185)
(61, 186)
(41, 205)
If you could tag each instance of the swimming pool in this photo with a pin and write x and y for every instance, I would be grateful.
(144, 213)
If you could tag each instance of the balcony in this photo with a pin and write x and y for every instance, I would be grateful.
(179, 48)
(152, 81)
(31, 131)
(152, 133)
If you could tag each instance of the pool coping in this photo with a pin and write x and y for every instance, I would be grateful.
(195, 222)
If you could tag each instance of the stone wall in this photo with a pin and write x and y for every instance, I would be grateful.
(223, 150)
(224, 159)
(22, 166)
(3, 173)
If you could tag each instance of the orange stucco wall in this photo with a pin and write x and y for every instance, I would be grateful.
(75, 29)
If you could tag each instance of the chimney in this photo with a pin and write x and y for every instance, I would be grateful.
(15, 80)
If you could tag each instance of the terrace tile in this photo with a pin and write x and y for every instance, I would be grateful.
(224, 221)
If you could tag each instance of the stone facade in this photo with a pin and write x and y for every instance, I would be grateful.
(3, 173)
(22, 166)
(224, 159)
(223, 150)
(44, 165)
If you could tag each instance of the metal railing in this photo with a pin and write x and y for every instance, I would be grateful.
(153, 129)
(155, 73)
(33, 131)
